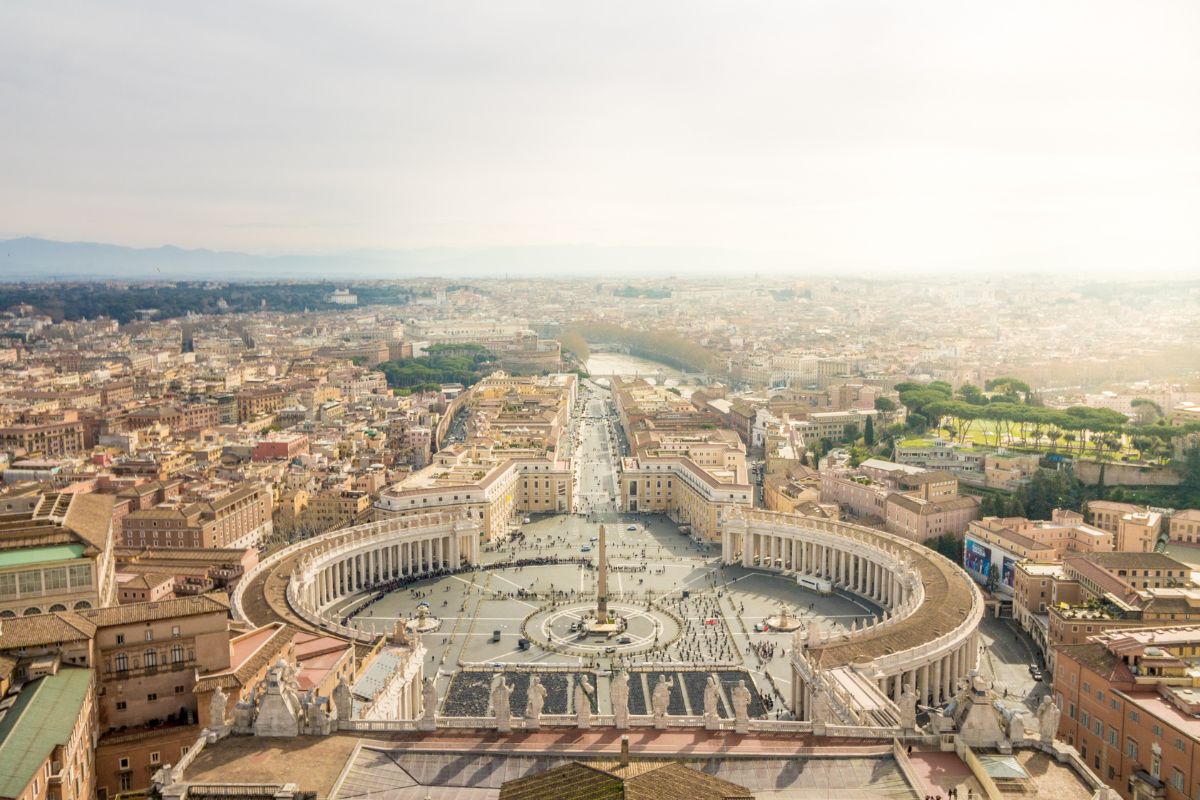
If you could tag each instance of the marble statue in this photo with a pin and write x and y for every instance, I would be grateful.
(814, 633)
(243, 716)
(660, 700)
(583, 703)
(501, 706)
(343, 699)
(711, 716)
(908, 708)
(319, 717)
(618, 692)
(1047, 715)
(1016, 727)
(741, 707)
(429, 704)
(536, 698)
(216, 708)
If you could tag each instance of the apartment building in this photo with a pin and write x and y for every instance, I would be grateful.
(336, 507)
(47, 733)
(1131, 708)
(253, 403)
(49, 435)
(965, 463)
(234, 518)
(1000, 543)
(833, 426)
(176, 418)
(280, 447)
(906, 500)
(1099, 592)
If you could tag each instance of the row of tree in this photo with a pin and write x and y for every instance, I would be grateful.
(669, 348)
(1013, 416)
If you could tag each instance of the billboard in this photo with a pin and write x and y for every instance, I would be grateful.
(1008, 571)
(977, 557)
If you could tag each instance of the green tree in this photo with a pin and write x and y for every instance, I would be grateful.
(869, 432)
(970, 393)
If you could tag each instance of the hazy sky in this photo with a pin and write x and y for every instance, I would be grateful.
(859, 135)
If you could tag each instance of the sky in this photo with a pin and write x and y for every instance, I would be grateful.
(877, 137)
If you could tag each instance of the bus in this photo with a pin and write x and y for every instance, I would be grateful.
(818, 585)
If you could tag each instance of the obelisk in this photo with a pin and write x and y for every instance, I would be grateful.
(602, 581)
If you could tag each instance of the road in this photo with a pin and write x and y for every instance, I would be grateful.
(1005, 658)
(598, 488)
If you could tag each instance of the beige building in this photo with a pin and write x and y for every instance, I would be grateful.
(690, 494)
(47, 735)
(240, 517)
(148, 655)
(491, 486)
(56, 553)
(335, 508)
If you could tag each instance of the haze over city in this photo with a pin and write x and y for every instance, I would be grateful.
(826, 137)
(638, 401)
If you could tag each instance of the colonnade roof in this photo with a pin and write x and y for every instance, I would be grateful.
(947, 605)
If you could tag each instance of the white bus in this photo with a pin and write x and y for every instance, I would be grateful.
(818, 585)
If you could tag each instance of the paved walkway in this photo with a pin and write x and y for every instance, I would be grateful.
(641, 742)
(938, 772)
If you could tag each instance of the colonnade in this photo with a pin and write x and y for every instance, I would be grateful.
(931, 655)
(863, 572)
(377, 563)
(934, 680)
(381, 552)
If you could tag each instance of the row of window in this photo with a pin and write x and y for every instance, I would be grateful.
(45, 581)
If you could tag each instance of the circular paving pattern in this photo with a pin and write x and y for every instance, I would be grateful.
(561, 629)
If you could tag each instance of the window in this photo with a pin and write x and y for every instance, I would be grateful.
(150, 698)
(120, 638)
(151, 659)
(80, 575)
(122, 663)
(126, 782)
(1085, 719)
(1157, 730)
(1177, 779)
(1112, 736)
(149, 635)
(1130, 747)
(123, 763)
(120, 705)
(154, 757)
(178, 690)
(55, 578)
(1134, 716)
(30, 582)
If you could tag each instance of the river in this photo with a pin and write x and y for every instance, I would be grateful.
(621, 364)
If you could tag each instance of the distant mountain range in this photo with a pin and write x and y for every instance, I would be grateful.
(31, 259)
